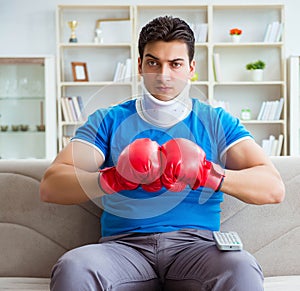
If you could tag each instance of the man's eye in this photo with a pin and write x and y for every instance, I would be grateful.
(152, 63)
(176, 65)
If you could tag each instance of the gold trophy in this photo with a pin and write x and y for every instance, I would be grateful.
(73, 25)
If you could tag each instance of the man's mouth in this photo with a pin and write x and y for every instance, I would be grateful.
(163, 88)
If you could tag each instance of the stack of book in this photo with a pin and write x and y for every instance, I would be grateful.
(273, 146)
(270, 110)
(273, 32)
(72, 109)
(123, 71)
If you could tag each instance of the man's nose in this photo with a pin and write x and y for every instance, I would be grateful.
(165, 72)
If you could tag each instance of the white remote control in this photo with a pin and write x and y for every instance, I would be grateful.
(227, 241)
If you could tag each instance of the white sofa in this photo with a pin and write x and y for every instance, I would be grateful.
(34, 234)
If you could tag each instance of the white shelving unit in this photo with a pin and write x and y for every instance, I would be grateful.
(27, 107)
(235, 87)
(294, 108)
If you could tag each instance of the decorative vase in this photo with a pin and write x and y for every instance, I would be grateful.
(257, 75)
(235, 38)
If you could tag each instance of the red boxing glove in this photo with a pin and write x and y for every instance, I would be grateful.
(140, 162)
(186, 164)
(110, 181)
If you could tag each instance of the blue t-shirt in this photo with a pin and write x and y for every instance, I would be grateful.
(112, 129)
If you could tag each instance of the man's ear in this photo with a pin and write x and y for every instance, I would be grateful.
(192, 68)
(140, 66)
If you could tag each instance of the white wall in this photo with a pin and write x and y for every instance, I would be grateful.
(28, 27)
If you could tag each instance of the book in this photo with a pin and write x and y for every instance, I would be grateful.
(71, 109)
(261, 111)
(270, 110)
(279, 32)
(274, 146)
(279, 109)
(123, 71)
(65, 110)
(267, 33)
(273, 109)
(81, 106)
(77, 108)
(279, 145)
(273, 32)
(267, 109)
(118, 72)
(128, 70)
(217, 67)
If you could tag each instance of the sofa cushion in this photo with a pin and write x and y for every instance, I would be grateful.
(282, 283)
(24, 284)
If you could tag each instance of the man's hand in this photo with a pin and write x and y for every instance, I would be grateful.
(186, 164)
(111, 181)
(138, 164)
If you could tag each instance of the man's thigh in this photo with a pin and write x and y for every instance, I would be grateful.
(201, 266)
(105, 266)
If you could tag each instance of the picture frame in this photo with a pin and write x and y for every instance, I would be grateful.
(79, 71)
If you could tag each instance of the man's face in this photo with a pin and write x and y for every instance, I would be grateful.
(166, 68)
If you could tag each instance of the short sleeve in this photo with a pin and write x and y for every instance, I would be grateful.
(95, 131)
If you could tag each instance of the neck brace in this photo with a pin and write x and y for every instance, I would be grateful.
(164, 113)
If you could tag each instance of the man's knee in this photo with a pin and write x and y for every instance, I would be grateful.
(240, 271)
(103, 267)
(220, 271)
(70, 272)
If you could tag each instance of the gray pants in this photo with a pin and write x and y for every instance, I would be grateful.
(183, 260)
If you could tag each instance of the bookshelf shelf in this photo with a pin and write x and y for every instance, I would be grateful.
(248, 44)
(249, 83)
(94, 45)
(262, 122)
(95, 84)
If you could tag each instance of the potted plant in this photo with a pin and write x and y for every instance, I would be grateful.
(235, 34)
(256, 69)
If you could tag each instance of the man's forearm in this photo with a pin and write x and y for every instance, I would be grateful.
(65, 184)
(256, 185)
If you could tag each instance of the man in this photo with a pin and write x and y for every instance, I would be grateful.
(165, 161)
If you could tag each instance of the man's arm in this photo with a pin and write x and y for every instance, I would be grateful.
(72, 178)
(250, 175)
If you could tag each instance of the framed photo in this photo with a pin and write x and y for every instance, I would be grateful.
(79, 71)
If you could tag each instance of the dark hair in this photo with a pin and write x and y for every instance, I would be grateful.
(167, 28)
